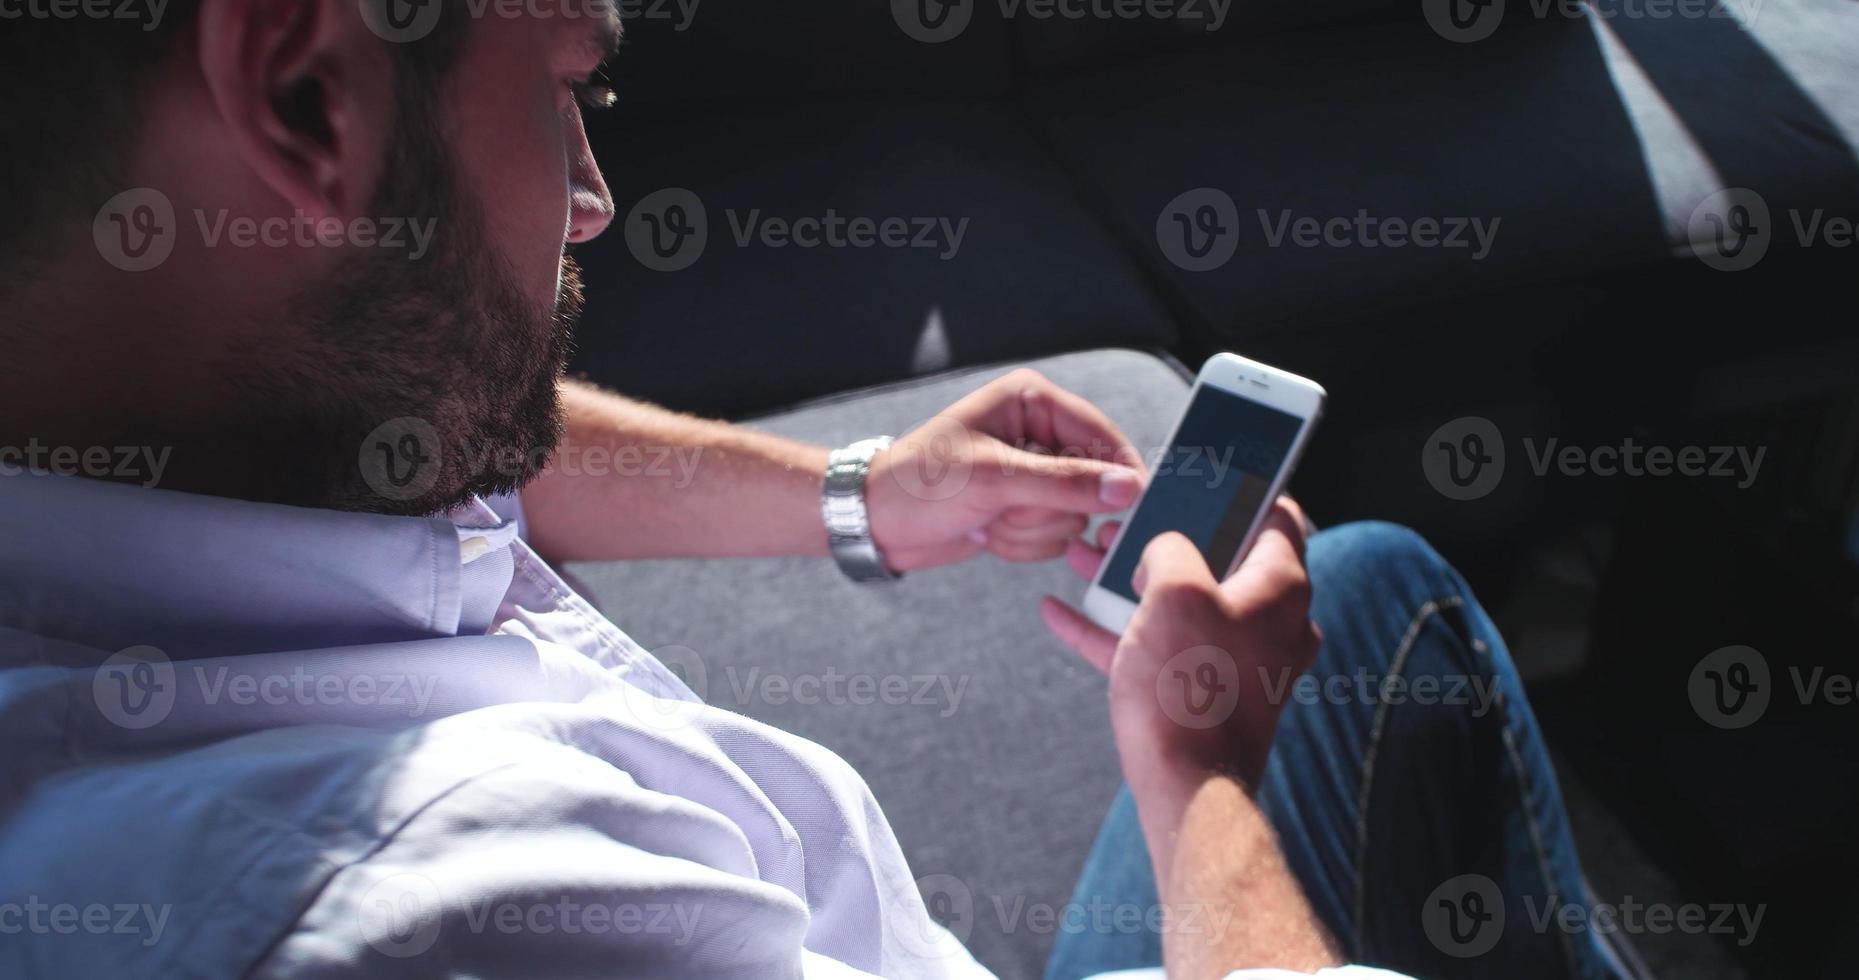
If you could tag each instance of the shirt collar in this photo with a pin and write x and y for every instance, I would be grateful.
(113, 566)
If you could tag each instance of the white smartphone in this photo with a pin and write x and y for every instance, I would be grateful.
(1241, 435)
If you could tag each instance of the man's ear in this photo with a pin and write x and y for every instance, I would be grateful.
(306, 92)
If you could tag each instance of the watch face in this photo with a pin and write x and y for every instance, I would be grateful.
(845, 515)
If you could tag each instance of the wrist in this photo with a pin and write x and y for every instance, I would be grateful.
(1166, 774)
(846, 512)
(1187, 757)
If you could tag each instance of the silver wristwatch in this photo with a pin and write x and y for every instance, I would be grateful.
(842, 504)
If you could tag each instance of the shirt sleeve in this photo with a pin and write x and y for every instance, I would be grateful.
(1351, 972)
(537, 871)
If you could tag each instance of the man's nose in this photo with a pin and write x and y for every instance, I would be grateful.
(590, 204)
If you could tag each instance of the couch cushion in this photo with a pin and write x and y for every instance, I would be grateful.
(1063, 35)
(763, 323)
(682, 55)
(995, 776)
(1546, 131)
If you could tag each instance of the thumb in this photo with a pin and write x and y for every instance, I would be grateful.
(1171, 560)
(1017, 478)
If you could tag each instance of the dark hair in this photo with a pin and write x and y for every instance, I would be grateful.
(70, 111)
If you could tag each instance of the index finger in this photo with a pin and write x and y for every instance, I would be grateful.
(1046, 415)
(1067, 421)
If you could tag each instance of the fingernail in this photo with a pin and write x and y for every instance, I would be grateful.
(1118, 488)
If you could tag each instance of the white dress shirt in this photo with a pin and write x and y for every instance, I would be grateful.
(244, 739)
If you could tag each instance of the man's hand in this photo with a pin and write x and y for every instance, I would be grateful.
(1193, 722)
(1016, 469)
(1190, 675)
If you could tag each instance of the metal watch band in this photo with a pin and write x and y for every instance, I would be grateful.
(842, 505)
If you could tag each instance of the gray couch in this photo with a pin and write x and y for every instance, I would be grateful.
(985, 740)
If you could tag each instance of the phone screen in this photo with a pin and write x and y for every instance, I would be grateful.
(1211, 483)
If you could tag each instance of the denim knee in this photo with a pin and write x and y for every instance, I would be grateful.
(1372, 582)
(1380, 558)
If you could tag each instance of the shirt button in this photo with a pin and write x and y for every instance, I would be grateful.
(471, 549)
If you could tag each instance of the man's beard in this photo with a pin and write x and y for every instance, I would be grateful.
(410, 386)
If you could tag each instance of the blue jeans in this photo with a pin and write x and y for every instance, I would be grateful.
(1423, 820)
